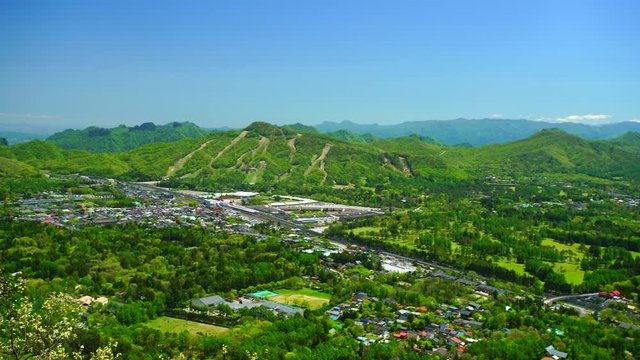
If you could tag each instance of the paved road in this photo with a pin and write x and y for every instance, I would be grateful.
(582, 310)
(566, 297)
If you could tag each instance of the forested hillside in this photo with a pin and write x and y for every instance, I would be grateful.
(265, 156)
(123, 138)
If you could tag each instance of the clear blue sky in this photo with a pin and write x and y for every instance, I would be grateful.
(228, 63)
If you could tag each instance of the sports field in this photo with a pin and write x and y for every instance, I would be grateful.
(311, 299)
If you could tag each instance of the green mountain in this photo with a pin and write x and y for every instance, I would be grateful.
(123, 138)
(555, 151)
(479, 132)
(629, 139)
(347, 135)
(266, 156)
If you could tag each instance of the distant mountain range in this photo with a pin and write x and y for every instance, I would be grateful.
(14, 137)
(123, 138)
(479, 132)
(264, 156)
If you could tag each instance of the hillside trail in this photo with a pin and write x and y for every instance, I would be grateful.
(233, 142)
(178, 165)
(319, 159)
(292, 147)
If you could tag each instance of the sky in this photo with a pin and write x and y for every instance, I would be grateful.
(229, 63)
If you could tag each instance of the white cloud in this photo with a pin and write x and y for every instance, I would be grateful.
(587, 118)
(496, 116)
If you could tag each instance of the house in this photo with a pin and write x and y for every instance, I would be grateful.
(475, 305)
(556, 354)
(452, 340)
(360, 296)
(401, 335)
(102, 300)
(85, 300)
(209, 301)
(281, 308)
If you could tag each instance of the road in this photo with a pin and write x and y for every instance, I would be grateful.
(582, 310)
(565, 297)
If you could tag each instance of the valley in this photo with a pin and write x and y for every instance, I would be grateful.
(239, 237)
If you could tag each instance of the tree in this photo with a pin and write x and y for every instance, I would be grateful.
(31, 330)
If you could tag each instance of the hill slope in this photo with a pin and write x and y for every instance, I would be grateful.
(555, 151)
(122, 138)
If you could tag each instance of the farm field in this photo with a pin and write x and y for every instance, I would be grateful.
(173, 325)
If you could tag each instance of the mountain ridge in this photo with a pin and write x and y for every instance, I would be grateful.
(122, 138)
(267, 156)
(480, 131)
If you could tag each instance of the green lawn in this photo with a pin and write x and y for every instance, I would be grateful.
(571, 272)
(575, 248)
(511, 265)
(173, 325)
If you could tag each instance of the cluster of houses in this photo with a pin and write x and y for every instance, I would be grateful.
(149, 206)
(456, 329)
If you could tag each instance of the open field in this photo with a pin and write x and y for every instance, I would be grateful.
(173, 325)
(574, 248)
(511, 265)
(311, 298)
(365, 229)
(571, 272)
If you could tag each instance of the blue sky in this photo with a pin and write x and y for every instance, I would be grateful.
(228, 63)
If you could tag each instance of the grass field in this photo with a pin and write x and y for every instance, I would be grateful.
(364, 229)
(575, 248)
(511, 265)
(173, 325)
(303, 297)
(571, 272)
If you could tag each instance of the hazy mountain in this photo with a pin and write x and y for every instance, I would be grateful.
(14, 137)
(479, 132)
(122, 138)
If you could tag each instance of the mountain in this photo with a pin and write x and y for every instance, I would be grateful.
(629, 139)
(264, 156)
(123, 138)
(556, 151)
(479, 132)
